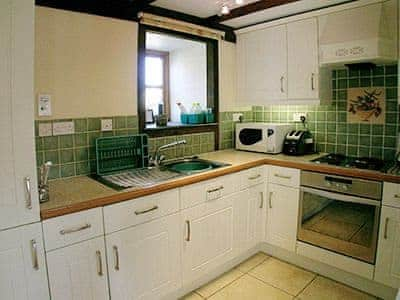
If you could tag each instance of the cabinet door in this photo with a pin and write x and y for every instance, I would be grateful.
(250, 217)
(303, 59)
(18, 185)
(78, 271)
(262, 66)
(387, 269)
(22, 264)
(207, 237)
(144, 261)
(283, 207)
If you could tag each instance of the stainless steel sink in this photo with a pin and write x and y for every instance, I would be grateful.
(193, 165)
(145, 177)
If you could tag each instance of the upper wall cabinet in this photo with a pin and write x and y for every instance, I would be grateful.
(303, 59)
(18, 185)
(279, 65)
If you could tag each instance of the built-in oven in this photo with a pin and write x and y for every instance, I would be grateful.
(340, 214)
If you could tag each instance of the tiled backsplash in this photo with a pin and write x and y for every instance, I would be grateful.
(227, 127)
(75, 154)
(328, 122)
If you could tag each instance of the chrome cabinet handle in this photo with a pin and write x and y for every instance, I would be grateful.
(270, 199)
(262, 200)
(312, 81)
(188, 236)
(116, 257)
(99, 263)
(140, 212)
(72, 230)
(28, 192)
(385, 234)
(216, 189)
(282, 176)
(282, 90)
(254, 177)
(35, 261)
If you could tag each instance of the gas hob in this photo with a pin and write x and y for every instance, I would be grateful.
(340, 160)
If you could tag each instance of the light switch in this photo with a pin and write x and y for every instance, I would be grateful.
(62, 128)
(44, 105)
(45, 129)
(106, 125)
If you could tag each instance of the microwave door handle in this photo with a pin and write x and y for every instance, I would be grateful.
(341, 197)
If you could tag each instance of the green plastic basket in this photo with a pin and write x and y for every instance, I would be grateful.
(118, 153)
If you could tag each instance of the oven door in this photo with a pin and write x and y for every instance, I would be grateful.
(344, 224)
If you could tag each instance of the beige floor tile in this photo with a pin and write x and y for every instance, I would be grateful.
(249, 288)
(220, 282)
(324, 288)
(282, 275)
(252, 262)
(192, 296)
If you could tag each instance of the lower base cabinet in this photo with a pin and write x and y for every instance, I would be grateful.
(250, 217)
(387, 269)
(22, 264)
(282, 216)
(78, 271)
(144, 261)
(207, 237)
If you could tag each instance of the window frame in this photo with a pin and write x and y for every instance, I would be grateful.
(165, 85)
(212, 85)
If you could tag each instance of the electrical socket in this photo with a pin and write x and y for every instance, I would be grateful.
(236, 117)
(298, 116)
(62, 128)
(106, 125)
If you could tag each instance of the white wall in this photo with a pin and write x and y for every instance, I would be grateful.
(188, 78)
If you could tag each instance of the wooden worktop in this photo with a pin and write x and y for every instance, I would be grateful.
(79, 193)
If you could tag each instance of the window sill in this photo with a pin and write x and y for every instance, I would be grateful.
(178, 128)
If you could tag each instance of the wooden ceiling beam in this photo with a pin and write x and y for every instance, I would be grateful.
(248, 9)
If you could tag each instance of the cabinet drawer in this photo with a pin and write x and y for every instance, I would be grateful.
(69, 229)
(284, 176)
(391, 194)
(140, 210)
(209, 190)
(252, 177)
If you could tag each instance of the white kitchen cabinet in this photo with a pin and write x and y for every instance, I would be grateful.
(262, 66)
(250, 217)
(387, 269)
(144, 261)
(207, 237)
(18, 185)
(303, 59)
(79, 271)
(22, 264)
(282, 216)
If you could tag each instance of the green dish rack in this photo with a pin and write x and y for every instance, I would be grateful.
(118, 153)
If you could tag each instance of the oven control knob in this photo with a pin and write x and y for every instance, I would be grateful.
(345, 187)
(328, 183)
(337, 185)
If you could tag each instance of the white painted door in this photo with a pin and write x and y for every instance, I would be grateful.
(303, 59)
(282, 216)
(262, 66)
(79, 272)
(18, 205)
(144, 261)
(250, 217)
(387, 269)
(22, 264)
(207, 237)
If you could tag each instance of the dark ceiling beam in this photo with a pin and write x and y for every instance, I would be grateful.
(229, 33)
(248, 9)
(128, 10)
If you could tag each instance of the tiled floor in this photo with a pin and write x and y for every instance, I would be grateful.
(262, 277)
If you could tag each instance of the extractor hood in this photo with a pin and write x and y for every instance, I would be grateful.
(359, 35)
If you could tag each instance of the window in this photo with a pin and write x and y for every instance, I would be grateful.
(157, 81)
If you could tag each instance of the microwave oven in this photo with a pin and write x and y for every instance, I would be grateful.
(261, 137)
